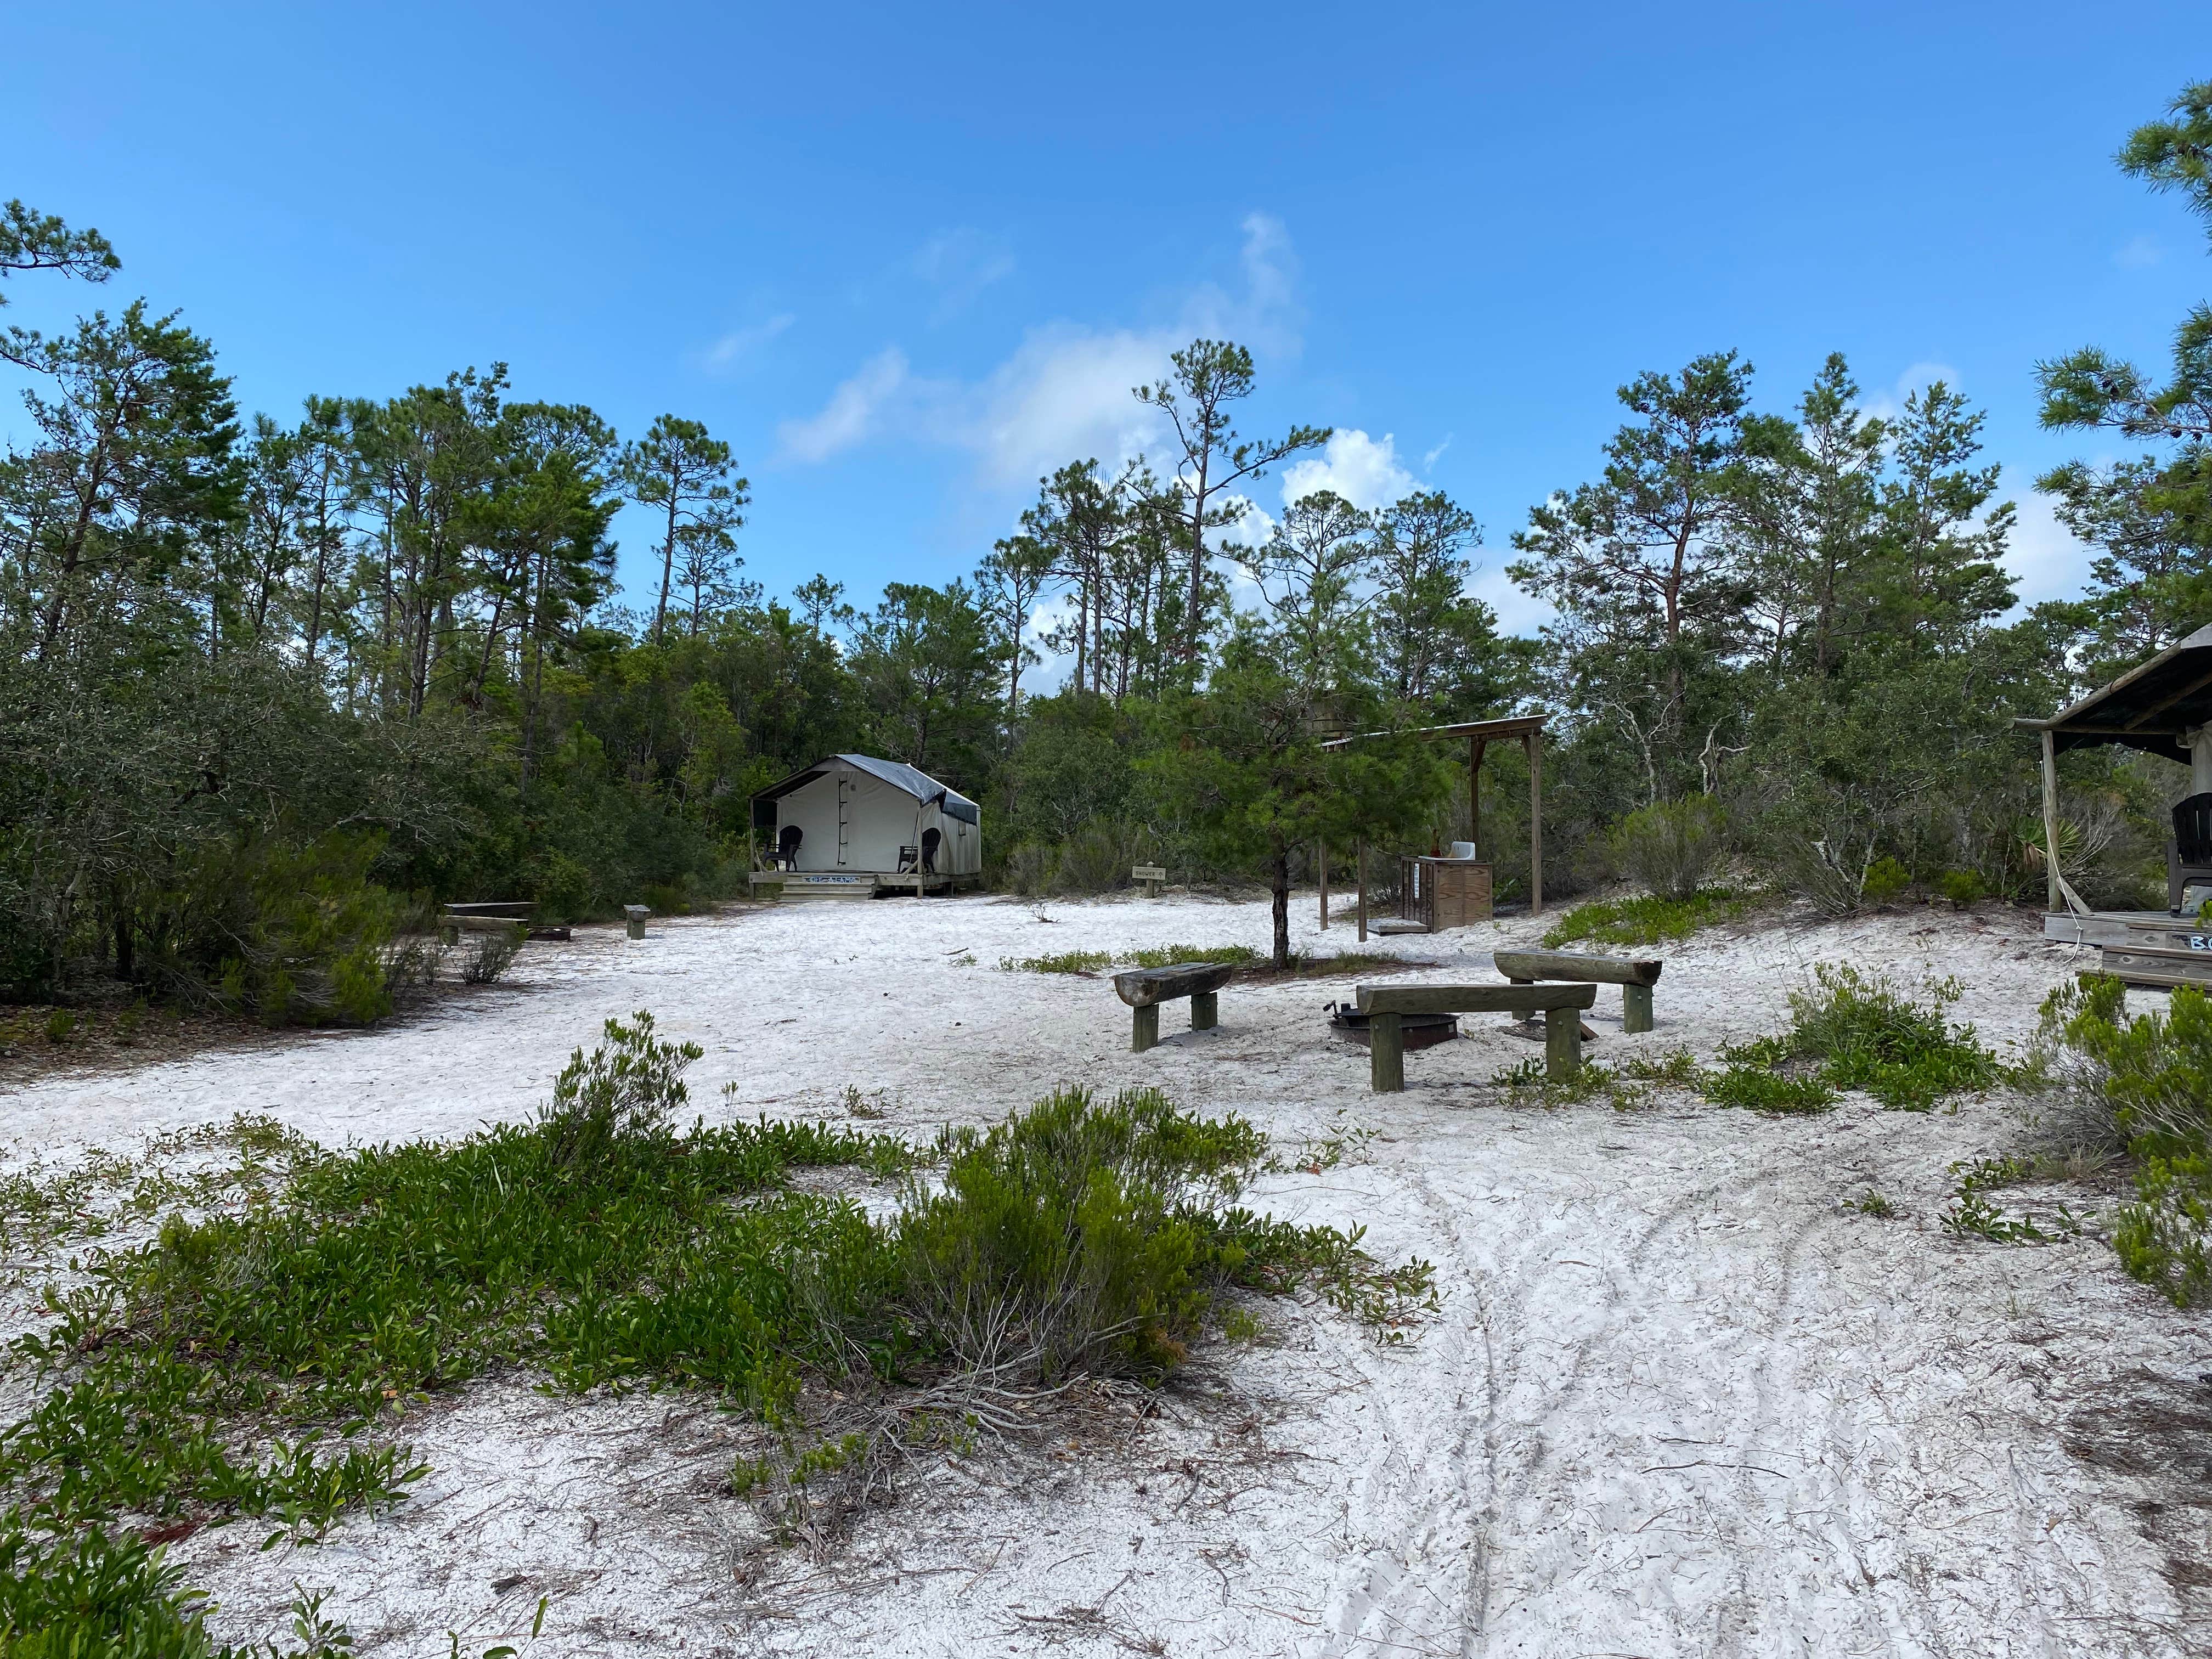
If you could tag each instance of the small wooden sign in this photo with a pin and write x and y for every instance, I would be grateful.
(1148, 872)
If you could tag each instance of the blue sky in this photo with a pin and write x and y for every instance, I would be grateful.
(906, 259)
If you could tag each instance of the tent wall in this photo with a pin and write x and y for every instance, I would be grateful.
(851, 821)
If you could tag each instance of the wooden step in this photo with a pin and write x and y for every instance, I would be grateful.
(1396, 925)
(2144, 964)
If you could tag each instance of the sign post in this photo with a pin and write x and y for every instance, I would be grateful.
(1151, 875)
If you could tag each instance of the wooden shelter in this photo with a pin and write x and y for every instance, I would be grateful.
(2163, 706)
(1466, 889)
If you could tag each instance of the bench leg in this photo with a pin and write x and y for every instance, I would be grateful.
(1635, 1007)
(1144, 1028)
(1204, 1009)
(1562, 1043)
(1386, 1040)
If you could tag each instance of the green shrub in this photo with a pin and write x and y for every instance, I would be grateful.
(1030, 870)
(488, 955)
(1758, 1090)
(1071, 1236)
(250, 1360)
(1885, 880)
(1096, 859)
(1063, 961)
(1671, 849)
(2153, 1075)
(1241, 956)
(1648, 919)
(1962, 887)
(1865, 1033)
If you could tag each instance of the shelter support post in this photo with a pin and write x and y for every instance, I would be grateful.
(1534, 744)
(1362, 892)
(1144, 1028)
(1320, 848)
(1386, 1052)
(1635, 1008)
(1562, 1043)
(1474, 748)
(2051, 822)
(1204, 1009)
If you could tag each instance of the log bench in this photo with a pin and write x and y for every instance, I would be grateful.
(1560, 1004)
(1635, 979)
(1144, 988)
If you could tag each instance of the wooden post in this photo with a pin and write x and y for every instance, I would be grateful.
(1562, 1043)
(1533, 742)
(1386, 1040)
(1320, 848)
(2051, 822)
(1204, 1009)
(1144, 1028)
(1474, 748)
(635, 914)
(1362, 892)
(1635, 1007)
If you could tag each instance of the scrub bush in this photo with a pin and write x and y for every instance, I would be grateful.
(1648, 919)
(1671, 849)
(253, 1360)
(2153, 1076)
(1864, 1033)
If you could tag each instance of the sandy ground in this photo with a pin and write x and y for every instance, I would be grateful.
(1676, 1398)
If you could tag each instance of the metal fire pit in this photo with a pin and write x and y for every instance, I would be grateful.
(1422, 1030)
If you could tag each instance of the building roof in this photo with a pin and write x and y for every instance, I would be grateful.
(897, 773)
(2147, 708)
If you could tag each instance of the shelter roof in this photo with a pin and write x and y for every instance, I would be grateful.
(1514, 726)
(2147, 708)
(897, 773)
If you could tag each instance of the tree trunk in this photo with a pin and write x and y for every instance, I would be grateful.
(1281, 873)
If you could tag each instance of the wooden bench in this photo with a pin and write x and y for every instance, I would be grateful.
(1560, 1004)
(1144, 988)
(1635, 979)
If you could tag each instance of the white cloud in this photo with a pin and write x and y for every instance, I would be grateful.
(853, 413)
(739, 345)
(1889, 404)
(1364, 471)
(1430, 459)
(2138, 251)
(1063, 392)
(2044, 554)
(960, 264)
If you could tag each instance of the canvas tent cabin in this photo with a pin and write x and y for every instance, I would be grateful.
(2162, 705)
(853, 826)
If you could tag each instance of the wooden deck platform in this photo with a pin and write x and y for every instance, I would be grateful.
(796, 885)
(2143, 947)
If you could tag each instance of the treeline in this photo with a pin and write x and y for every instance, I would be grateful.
(269, 690)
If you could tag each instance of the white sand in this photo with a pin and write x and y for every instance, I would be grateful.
(1676, 1399)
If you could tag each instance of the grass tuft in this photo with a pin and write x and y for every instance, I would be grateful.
(256, 1358)
(1646, 919)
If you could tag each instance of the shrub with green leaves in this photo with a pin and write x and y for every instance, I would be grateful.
(1861, 1031)
(256, 1360)
(1072, 1237)
(1671, 848)
(1648, 918)
(2153, 1074)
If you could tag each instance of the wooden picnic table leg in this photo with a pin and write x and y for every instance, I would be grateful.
(1562, 1043)
(1635, 1007)
(1204, 1009)
(1144, 1028)
(1386, 1039)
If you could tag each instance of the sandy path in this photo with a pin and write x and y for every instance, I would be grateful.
(1676, 1399)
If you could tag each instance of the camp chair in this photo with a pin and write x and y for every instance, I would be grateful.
(787, 847)
(906, 855)
(2188, 855)
(930, 838)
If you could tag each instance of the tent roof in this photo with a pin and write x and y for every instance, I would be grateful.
(2147, 708)
(897, 773)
